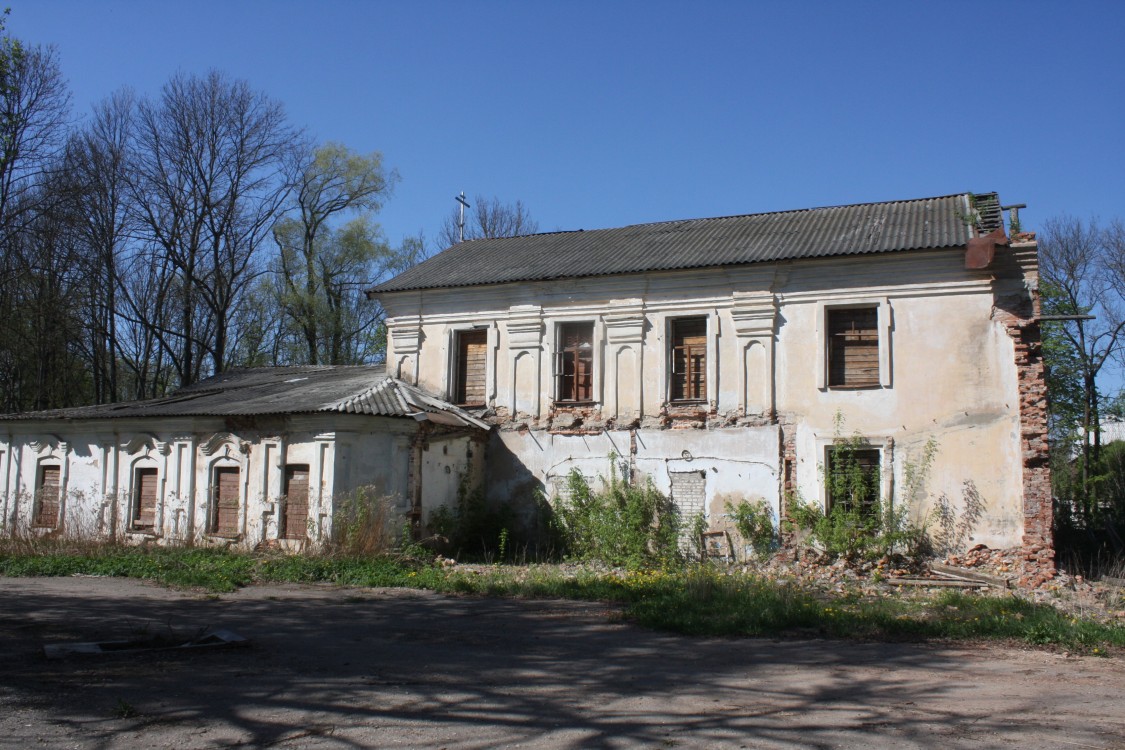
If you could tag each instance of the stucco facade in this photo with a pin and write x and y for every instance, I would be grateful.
(946, 361)
(239, 479)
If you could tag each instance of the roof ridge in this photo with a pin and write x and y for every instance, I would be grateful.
(933, 222)
(725, 216)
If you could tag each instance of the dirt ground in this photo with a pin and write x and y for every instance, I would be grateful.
(350, 668)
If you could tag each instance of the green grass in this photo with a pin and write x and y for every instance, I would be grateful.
(693, 601)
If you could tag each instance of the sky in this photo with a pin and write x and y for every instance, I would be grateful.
(601, 114)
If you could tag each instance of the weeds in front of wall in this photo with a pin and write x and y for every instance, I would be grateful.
(75, 532)
(365, 523)
(860, 524)
(473, 528)
(754, 522)
(623, 524)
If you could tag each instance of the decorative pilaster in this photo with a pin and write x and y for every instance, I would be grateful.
(755, 319)
(624, 328)
(525, 359)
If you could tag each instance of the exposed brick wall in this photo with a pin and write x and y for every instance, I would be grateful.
(788, 447)
(1020, 319)
(1038, 518)
(689, 492)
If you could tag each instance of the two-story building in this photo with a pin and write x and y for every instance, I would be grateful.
(723, 358)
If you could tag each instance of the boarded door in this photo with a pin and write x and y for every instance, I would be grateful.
(144, 500)
(47, 497)
(296, 502)
(226, 501)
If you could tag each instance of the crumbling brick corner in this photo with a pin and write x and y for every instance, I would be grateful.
(787, 435)
(1038, 512)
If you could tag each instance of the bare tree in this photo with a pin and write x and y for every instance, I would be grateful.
(34, 112)
(1082, 267)
(487, 218)
(207, 184)
(96, 162)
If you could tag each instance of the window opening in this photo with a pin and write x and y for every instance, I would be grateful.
(296, 516)
(689, 359)
(853, 479)
(472, 347)
(47, 497)
(144, 498)
(853, 347)
(225, 501)
(574, 365)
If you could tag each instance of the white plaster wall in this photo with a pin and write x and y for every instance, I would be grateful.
(739, 463)
(953, 380)
(99, 460)
(948, 373)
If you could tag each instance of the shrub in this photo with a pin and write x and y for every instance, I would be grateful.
(365, 523)
(634, 526)
(754, 523)
(860, 525)
(474, 528)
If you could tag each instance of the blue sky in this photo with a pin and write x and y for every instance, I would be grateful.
(606, 113)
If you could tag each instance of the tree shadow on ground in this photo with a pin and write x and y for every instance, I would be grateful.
(360, 668)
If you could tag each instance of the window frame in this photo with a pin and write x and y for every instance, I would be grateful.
(37, 520)
(288, 471)
(459, 367)
(884, 331)
(558, 363)
(135, 503)
(213, 528)
(703, 371)
(877, 485)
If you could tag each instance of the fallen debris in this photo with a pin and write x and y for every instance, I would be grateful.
(208, 640)
(950, 571)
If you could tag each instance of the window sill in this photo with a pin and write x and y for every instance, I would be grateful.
(865, 387)
(567, 404)
(225, 537)
(688, 402)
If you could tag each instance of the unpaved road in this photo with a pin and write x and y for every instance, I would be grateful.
(350, 668)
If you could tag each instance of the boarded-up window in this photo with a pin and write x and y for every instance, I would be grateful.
(47, 497)
(689, 359)
(853, 479)
(144, 498)
(574, 363)
(472, 348)
(224, 519)
(296, 516)
(853, 347)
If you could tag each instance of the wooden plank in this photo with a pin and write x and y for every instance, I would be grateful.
(296, 501)
(47, 497)
(971, 575)
(472, 365)
(144, 514)
(226, 500)
(936, 583)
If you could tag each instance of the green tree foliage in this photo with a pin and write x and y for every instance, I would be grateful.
(323, 266)
(1083, 273)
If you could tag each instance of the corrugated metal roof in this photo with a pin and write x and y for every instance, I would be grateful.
(278, 390)
(924, 223)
